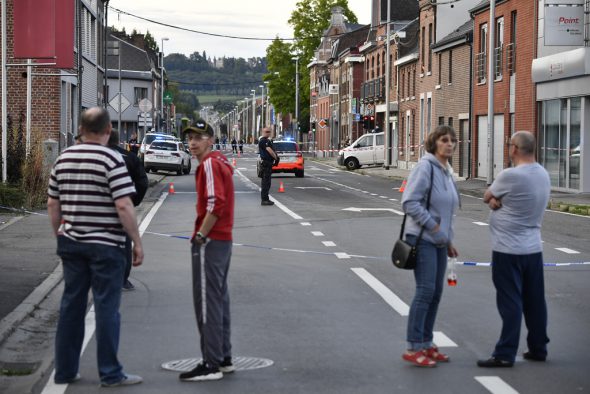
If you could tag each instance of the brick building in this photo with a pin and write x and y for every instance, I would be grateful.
(514, 91)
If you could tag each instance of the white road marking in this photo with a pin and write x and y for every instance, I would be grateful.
(354, 209)
(495, 385)
(388, 296)
(317, 233)
(382, 196)
(366, 192)
(305, 223)
(90, 321)
(312, 187)
(328, 243)
(373, 194)
(481, 223)
(341, 255)
(442, 340)
(393, 199)
(568, 251)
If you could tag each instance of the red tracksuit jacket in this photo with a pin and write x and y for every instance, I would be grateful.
(215, 194)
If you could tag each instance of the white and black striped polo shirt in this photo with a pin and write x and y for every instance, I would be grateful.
(87, 179)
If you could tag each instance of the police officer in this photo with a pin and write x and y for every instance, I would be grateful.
(269, 158)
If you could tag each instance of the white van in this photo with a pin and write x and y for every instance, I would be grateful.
(368, 149)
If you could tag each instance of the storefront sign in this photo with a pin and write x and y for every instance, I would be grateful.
(564, 24)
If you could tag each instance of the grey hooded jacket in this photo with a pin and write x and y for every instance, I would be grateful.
(444, 201)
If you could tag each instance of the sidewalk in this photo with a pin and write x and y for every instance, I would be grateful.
(561, 201)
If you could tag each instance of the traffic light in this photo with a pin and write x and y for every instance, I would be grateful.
(366, 123)
(313, 126)
(372, 122)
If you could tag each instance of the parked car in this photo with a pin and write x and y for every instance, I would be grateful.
(366, 150)
(167, 155)
(151, 137)
(292, 160)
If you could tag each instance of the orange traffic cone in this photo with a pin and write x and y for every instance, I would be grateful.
(171, 188)
(402, 187)
(233, 162)
(281, 188)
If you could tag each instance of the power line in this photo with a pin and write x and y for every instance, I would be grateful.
(216, 84)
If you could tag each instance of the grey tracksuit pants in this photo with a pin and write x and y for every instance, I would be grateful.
(210, 265)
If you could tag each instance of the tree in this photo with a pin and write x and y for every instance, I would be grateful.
(150, 42)
(309, 20)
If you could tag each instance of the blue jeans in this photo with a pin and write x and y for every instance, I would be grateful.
(85, 266)
(429, 274)
(520, 289)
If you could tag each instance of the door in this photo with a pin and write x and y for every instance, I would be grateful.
(363, 149)
(482, 146)
(498, 144)
(379, 149)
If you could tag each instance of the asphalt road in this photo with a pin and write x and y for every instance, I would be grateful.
(314, 292)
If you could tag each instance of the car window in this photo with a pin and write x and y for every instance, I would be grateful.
(379, 140)
(162, 145)
(365, 142)
(282, 146)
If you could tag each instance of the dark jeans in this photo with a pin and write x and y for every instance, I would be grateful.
(520, 289)
(100, 268)
(128, 259)
(266, 177)
(429, 275)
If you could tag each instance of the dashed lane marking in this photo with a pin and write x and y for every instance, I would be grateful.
(342, 255)
(442, 340)
(567, 250)
(305, 223)
(481, 223)
(328, 243)
(317, 233)
(388, 296)
(495, 385)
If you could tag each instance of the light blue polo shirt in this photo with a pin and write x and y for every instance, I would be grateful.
(524, 191)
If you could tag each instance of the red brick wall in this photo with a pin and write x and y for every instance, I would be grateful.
(46, 103)
(525, 107)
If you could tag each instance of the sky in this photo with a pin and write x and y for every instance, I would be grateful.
(242, 18)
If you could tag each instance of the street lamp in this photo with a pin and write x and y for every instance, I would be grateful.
(162, 84)
(295, 136)
(253, 92)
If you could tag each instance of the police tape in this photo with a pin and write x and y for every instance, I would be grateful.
(464, 263)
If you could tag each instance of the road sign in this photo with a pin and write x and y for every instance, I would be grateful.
(322, 123)
(167, 97)
(144, 120)
(145, 105)
(114, 103)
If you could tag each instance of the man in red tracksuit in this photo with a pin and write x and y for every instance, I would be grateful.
(211, 253)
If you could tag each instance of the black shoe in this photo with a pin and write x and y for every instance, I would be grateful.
(494, 362)
(533, 357)
(227, 366)
(202, 371)
(267, 202)
(128, 286)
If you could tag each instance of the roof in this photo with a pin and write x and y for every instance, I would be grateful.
(353, 39)
(132, 57)
(401, 10)
(485, 4)
(409, 44)
(457, 34)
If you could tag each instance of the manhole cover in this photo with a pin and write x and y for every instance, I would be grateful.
(241, 364)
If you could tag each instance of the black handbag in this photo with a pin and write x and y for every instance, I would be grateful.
(404, 255)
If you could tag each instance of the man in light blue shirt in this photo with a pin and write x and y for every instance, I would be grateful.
(518, 198)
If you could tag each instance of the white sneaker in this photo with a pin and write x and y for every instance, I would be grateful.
(126, 381)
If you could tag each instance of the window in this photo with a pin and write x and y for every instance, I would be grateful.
(451, 121)
(450, 66)
(480, 58)
(441, 120)
(430, 41)
(372, 67)
(379, 140)
(140, 94)
(498, 47)
(408, 74)
(439, 68)
(414, 84)
(378, 64)
(422, 45)
(511, 48)
(402, 84)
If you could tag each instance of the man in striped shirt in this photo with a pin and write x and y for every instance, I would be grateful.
(90, 208)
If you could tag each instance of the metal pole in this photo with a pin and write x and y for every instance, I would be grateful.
(4, 96)
(163, 118)
(120, 92)
(254, 113)
(388, 145)
(262, 108)
(29, 104)
(491, 61)
(296, 131)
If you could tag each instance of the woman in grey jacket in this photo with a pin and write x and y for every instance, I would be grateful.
(436, 243)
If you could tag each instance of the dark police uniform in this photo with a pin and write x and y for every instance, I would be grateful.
(266, 165)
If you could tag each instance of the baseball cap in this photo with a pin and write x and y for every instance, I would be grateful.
(200, 127)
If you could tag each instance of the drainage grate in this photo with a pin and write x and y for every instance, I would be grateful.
(241, 364)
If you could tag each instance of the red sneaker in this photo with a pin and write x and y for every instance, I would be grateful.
(419, 359)
(437, 356)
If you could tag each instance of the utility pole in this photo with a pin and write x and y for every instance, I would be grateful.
(388, 144)
(491, 76)
(296, 125)
(163, 119)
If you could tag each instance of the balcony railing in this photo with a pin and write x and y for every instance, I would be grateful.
(511, 58)
(498, 62)
(373, 90)
(480, 65)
